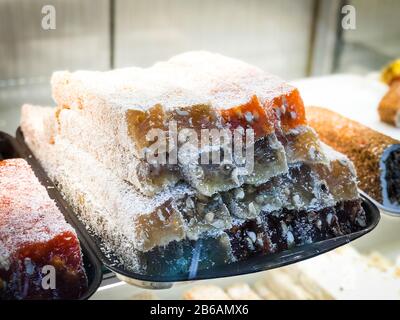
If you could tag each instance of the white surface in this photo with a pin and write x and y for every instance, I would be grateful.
(355, 97)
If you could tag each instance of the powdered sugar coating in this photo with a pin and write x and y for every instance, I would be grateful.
(27, 214)
(89, 156)
(187, 79)
(106, 99)
(108, 204)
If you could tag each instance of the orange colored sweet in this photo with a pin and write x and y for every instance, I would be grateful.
(250, 115)
(289, 110)
(285, 110)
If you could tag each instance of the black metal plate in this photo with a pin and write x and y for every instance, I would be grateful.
(254, 264)
(10, 148)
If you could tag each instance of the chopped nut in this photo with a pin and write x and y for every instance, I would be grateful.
(250, 243)
(209, 217)
(252, 236)
(286, 191)
(238, 193)
(361, 222)
(160, 215)
(217, 197)
(259, 240)
(297, 201)
(252, 209)
(290, 239)
(284, 228)
(200, 207)
(182, 112)
(235, 176)
(189, 203)
(329, 218)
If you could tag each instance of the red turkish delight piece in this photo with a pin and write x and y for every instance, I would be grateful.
(36, 243)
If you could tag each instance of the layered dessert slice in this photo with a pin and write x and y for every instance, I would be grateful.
(169, 218)
(128, 222)
(195, 91)
(111, 206)
(375, 156)
(181, 231)
(40, 256)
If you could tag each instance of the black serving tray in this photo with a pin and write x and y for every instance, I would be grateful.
(254, 264)
(10, 148)
(392, 211)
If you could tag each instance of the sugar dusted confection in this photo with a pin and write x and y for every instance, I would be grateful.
(161, 234)
(196, 90)
(375, 156)
(175, 219)
(389, 107)
(33, 234)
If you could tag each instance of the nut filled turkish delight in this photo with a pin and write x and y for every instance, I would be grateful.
(35, 240)
(183, 214)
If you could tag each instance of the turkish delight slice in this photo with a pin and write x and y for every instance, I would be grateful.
(304, 187)
(138, 228)
(196, 91)
(127, 220)
(269, 159)
(33, 237)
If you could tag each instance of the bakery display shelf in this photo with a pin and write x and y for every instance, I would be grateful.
(10, 148)
(252, 265)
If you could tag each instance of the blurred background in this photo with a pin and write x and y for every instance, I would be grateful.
(291, 38)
